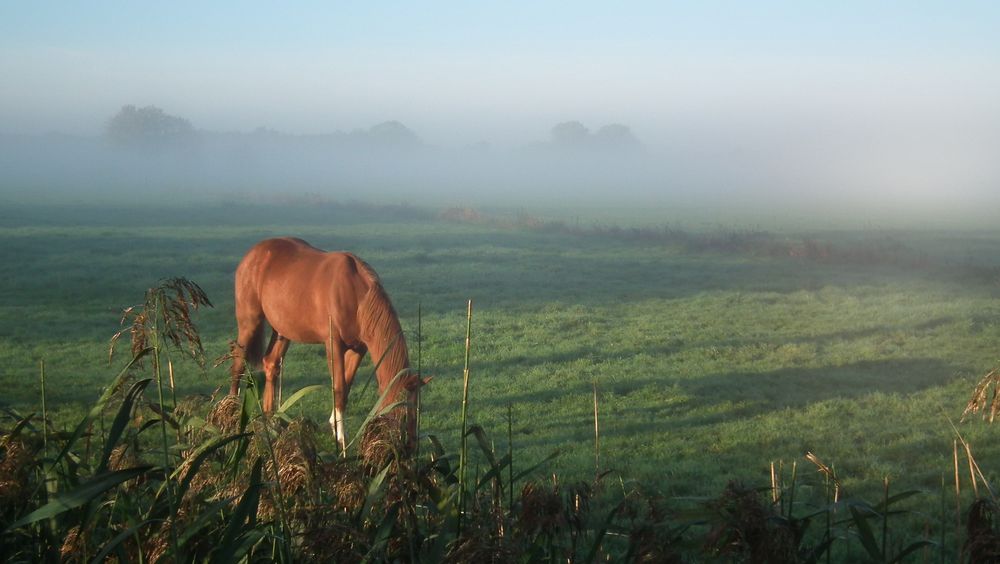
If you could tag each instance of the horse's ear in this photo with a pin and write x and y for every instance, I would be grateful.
(426, 380)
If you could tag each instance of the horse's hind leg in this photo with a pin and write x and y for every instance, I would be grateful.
(273, 361)
(248, 348)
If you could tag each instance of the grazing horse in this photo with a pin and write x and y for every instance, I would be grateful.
(311, 296)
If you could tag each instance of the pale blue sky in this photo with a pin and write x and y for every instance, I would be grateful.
(308, 66)
(887, 81)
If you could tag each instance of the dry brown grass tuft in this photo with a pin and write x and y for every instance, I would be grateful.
(156, 545)
(982, 541)
(745, 527)
(293, 449)
(72, 547)
(345, 482)
(327, 537)
(541, 508)
(123, 457)
(383, 442)
(16, 458)
(225, 415)
(481, 545)
(191, 405)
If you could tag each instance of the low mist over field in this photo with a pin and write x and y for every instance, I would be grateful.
(772, 106)
(146, 151)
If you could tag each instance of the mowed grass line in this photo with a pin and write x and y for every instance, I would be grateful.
(707, 366)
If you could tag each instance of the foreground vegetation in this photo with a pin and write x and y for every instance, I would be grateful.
(222, 482)
(711, 357)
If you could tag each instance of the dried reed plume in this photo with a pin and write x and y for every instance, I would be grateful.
(165, 314)
(829, 473)
(984, 397)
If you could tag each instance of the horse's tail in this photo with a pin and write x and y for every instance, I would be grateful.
(254, 351)
(248, 350)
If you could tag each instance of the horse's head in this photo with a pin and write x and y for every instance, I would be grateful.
(412, 384)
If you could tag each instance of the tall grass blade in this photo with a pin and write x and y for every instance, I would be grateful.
(865, 532)
(45, 412)
(84, 493)
(99, 406)
(484, 443)
(463, 454)
(597, 437)
(910, 549)
(245, 513)
(118, 539)
(375, 492)
(376, 410)
(495, 472)
(510, 455)
(382, 535)
(595, 548)
(20, 426)
(532, 469)
(418, 407)
(885, 517)
(198, 457)
(121, 420)
(294, 398)
(207, 517)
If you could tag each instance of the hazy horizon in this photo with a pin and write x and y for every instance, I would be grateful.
(897, 100)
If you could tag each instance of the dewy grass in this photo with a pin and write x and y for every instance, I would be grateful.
(708, 364)
(543, 523)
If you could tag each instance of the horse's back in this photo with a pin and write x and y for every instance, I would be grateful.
(296, 286)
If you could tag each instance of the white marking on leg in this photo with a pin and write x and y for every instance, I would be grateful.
(337, 426)
(341, 433)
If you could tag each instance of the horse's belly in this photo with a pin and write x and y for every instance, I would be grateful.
(296, 317)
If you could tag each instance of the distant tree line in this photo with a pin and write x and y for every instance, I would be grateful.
(573, 135)
(152, 128)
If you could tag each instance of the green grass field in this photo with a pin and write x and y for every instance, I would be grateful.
(708, 364)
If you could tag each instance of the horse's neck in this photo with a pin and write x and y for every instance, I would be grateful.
(390, 349)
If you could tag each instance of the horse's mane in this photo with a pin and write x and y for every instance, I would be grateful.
(380, 327)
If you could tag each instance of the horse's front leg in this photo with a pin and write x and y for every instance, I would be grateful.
(351, 360)
(335, 362)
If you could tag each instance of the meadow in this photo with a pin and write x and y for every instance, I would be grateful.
(712, 354)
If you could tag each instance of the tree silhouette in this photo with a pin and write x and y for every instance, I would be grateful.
(148, 127)
(570, 134)
(616, 137)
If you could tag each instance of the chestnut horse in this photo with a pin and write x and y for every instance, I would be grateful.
(311, 296)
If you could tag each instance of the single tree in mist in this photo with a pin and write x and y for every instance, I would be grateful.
(148, 127)
(616, 137)
(570, 134)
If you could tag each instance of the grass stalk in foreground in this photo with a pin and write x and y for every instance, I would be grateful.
(463, 455)
(597, 438)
